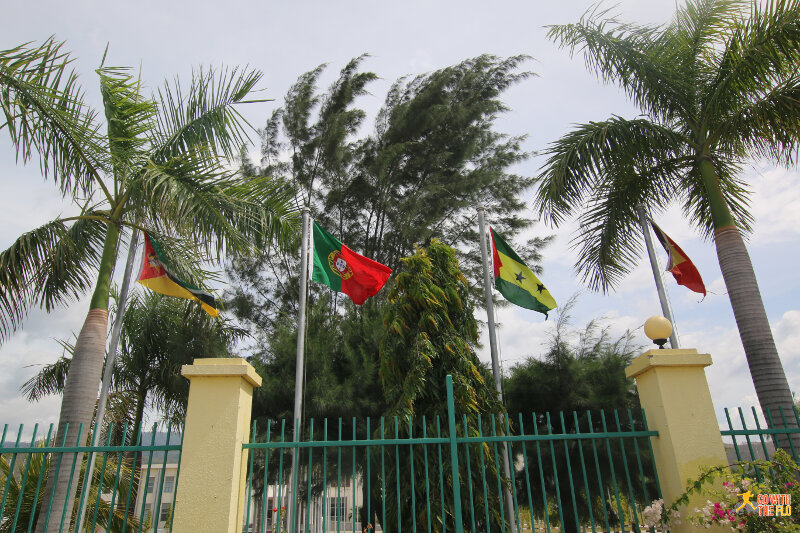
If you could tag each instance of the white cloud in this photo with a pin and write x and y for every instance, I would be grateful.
(775, 204)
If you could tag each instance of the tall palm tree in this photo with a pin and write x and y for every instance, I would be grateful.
(717, 86)
(158, 167)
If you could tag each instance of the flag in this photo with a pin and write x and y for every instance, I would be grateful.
(343, 270)
(516, 281)
(679, 264)
(157, 278)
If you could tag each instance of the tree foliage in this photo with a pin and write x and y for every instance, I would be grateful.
(432, 157)
(579, 386)
(25, 494)
(431, 332)
(159, 335)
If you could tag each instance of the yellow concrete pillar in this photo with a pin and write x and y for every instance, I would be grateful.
(675, 397)
(211, 487)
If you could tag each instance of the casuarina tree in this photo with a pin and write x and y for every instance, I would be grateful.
(717, 86)
(432, 156)
(159, 166)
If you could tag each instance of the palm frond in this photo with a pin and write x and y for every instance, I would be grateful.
(609, 237)
(215, 209)
(634, 57)
(762, 51)
(698, 27)
(73, 262)
(129, 117)
(53, 264)
(120, 416)
(697, 204)
(44, 111)
(50, 379)
(767, 126)
(205, 117)
(583, 156)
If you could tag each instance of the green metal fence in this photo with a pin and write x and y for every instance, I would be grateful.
(760, 440)
(131, 490)
(570, 472)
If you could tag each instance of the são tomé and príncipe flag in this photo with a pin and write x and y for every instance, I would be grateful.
(156, 277)
(516, 281)
(343, 270)
(679, 264)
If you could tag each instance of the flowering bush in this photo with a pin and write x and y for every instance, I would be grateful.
(735, 503)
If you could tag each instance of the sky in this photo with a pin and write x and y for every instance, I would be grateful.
(284, 39)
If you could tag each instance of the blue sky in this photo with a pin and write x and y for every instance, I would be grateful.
(285, 39)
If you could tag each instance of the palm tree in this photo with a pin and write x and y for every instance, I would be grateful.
(716, 86)
(159, 335)
(159, 167)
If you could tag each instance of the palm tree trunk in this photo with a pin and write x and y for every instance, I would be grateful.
(766, 369)
(77, 407)
(80, 396)
(765, 365)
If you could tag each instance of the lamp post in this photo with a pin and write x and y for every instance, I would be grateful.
(658, 329)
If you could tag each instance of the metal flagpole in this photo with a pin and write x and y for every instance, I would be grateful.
(487, 285)
(662, 294)
(298, 376)
(111, 359)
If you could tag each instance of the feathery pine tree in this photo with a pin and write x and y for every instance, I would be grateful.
(433, 156)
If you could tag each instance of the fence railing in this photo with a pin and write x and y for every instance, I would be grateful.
(570, 472)
(763, 437)
(132, 488)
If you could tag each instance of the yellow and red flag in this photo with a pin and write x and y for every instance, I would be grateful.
(156, 277)
(679, 264)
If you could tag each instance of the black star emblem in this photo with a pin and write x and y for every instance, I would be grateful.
(519, 277)
(540, 288)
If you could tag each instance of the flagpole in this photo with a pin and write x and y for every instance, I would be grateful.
(298, 376)
(487, 286)
(111, 359)
(662, 293)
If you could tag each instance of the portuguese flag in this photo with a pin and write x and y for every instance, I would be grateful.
(157, 278)
(679, 264)
(343, 270)
(516, 281)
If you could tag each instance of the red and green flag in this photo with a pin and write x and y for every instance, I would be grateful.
(343, 270)
(516, 281)
(157, 277)
(679, 264)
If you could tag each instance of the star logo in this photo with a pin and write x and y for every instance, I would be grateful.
(519, 277)
(540, 288)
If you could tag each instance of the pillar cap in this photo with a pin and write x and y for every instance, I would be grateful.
(667, 358)
(222, 367)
